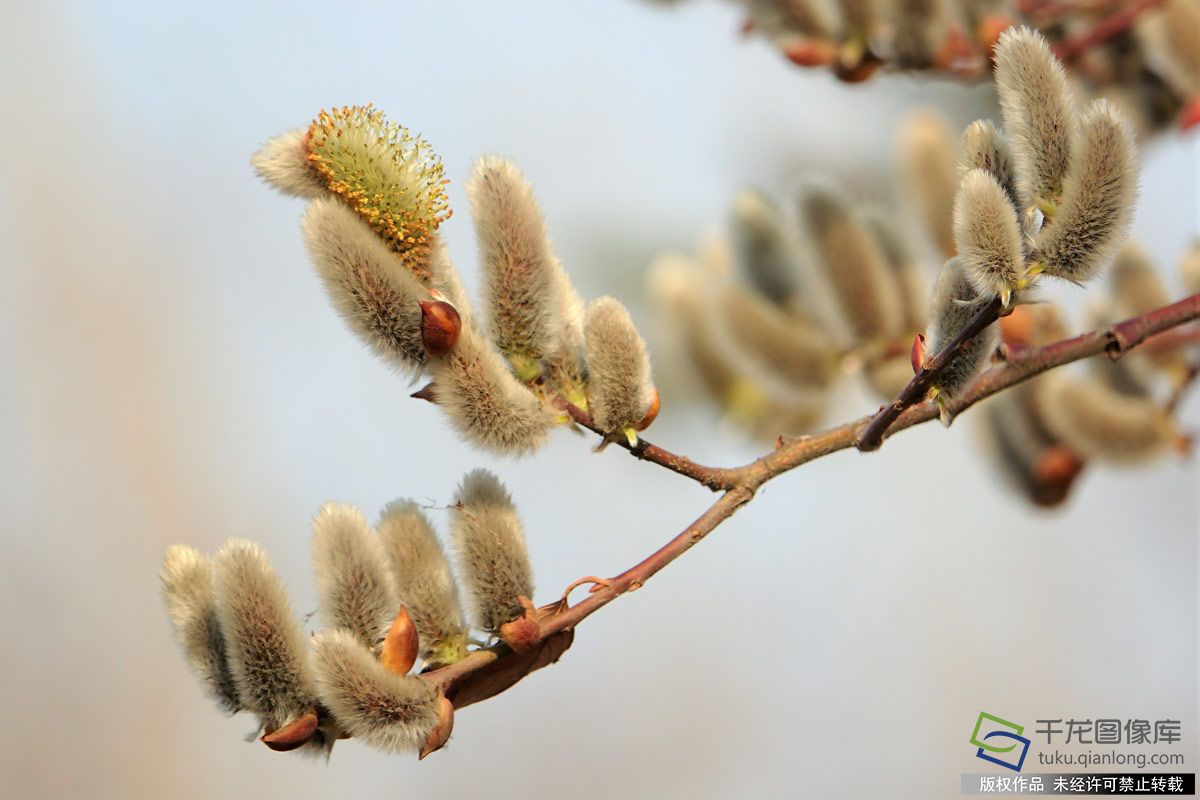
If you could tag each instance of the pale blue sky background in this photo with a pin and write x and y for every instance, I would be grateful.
(172, 373)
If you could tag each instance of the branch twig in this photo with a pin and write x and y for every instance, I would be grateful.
(485, 673)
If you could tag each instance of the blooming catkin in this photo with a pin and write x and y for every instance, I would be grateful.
(952, 304)
(762, 247)
(852, 263)
(988, 236)
(188, 594)
(619, 389)
(1097, 199)
(390, 178)
(983, 146)
(1038, 111)
(926, 173)
(522, 280)
(262, 636)
(355, 590)
(283, 163)
(1099, 422)
(392, 712)
(490, 544)
(424, 582)
(369, 286)
(487, 406)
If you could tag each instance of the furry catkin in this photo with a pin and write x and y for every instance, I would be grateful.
(1181, 25)
(263, 639)
(677, 289)
(952, 304)
(522, 280)
(1136, 286)
(490, 544)
(355, 590)
(1097, 200)
(789, 347)
(988, 236)
(390, 178)
(369, 286)
(762, 247)
(1032, 459)
(918, 29)
(852, 263)
(910, 277)
(983, 146)
(925, 172)
(486, 405)
(283, 163)
(1038, 111)
(394, 713)
(1189, 268)
(619, 388)
(188, 594)
(1100, 422)
(424, 581)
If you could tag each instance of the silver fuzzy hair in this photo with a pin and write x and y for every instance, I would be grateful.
(355, 589)
(444, 278)
(1181, 25)
(523, 282)
(925, 173)
(188, 594)
(952, 304)
(620, 391)
(486, 405)
(762, 246)
(787, 346)
(370, 287)
(391, 712)
(983, 146)
(262, 636)
(283, 163)
(1099, 422)
(1097, 200)
(988, 236)
(851, 262)
(778, 18)
(565, 369)
(490, 544)
(1038, 111)
(423, 580)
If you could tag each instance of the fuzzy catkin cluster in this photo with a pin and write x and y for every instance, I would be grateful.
(1147, 65)
(803, 295)
(376, 200)
(384, 598)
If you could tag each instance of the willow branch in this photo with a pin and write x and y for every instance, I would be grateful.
(485, 673)
(919, 386)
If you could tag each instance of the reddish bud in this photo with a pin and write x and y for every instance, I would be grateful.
(440, 326)
(917, 354)
(810, 53)
(522, 634)
(441, 732)
(295, 734)
(988, 31)
(1189, 117)
(399, 651)
(651, 414)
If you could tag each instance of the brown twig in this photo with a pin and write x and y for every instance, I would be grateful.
(487, 672)
(916, 390)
